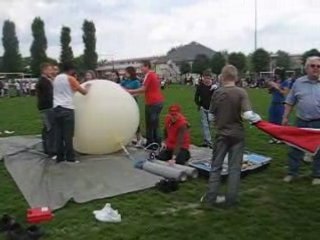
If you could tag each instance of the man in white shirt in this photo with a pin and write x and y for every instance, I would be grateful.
(18, 88)
(6, 89)
(64, 87)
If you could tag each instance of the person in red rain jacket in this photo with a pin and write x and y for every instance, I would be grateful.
(177, 138)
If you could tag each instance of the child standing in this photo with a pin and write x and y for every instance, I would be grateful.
(228, 103)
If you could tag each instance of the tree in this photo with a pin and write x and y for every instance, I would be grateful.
(283, 60)
(218, 61)
(66, 55)
(310, 53)
(26, 62)
(90, 57)
(238, 60)
(249, 63)
(78, 62)
(52, 61)
(200, 64)
(12, 60)
(260, 60)
(39, 46)
(185, 68)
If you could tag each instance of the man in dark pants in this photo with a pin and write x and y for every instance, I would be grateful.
(305, 95)
(227, 105)
(152, 115)
(44, 91)
(154, 102)
(64, 87)
(177, 138)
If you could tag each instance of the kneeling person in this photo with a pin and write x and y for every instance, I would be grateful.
(177, 138)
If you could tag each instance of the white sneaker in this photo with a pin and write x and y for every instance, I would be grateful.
(308, 158)
(71, 162)
(272, 141)
(221, 199)
(316, 181)
(202, 198)
(113, 217)
(8, 132)
(288, 179)
(104, 209)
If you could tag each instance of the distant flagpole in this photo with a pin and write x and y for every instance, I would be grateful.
(255, 24)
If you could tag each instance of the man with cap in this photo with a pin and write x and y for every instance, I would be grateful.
(177, 137)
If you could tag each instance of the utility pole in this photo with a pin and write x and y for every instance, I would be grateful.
(255, 24)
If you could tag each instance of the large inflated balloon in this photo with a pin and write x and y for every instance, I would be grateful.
(105, 118)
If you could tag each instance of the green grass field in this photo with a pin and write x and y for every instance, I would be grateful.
(269, 208)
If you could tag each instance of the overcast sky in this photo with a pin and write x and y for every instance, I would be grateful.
(136, 28)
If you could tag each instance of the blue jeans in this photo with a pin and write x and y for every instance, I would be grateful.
(48, 131)
(222, 146)
(276, 111)
(152, 115)
(295, 155)
(206, 121)
(64, 132)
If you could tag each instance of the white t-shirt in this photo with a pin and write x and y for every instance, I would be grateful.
(64, 87)
(17, 86)
(33, 86)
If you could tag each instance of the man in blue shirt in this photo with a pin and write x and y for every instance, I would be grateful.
(305, 95)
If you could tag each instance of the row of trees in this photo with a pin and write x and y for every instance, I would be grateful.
(12, 60)
(258, 61)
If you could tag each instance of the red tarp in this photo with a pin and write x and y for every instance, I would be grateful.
(307, 140)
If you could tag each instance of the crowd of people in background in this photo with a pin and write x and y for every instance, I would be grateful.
(17, 88)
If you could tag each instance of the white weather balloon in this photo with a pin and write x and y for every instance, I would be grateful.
(105, 118)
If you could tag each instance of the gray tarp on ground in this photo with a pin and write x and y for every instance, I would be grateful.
(45, 183)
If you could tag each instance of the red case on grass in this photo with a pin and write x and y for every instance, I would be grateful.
(39, 215)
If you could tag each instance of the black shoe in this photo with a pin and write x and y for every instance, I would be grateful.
(72, 162)
(206, 145)
(168, 185)
(16, 232)
(6, 222)
(34, 232)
